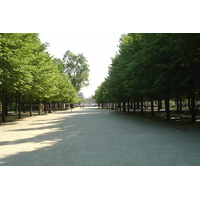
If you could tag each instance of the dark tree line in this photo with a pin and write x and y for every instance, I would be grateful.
(154, 67)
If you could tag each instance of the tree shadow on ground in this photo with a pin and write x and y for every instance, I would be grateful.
(95, 137)
(52, 147)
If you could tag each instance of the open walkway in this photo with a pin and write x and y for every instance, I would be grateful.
(95, 137)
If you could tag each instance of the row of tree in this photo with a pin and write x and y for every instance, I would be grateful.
(154, 67)
(28, 72)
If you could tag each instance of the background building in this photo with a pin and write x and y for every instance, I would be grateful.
(87, 102)
(80, 95)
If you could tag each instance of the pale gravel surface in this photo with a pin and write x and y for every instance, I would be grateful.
(93, 137)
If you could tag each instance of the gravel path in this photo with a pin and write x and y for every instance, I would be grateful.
(93, 137)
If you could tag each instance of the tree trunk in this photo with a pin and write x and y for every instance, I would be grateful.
(45, 106)
(39, 108)
(152, 107)
(181, 103)
(142, 108)
(16, 97)
(177, 104)
(138, 103)
(189, 103)
(31, 111)
(134, 105)
(24, 105)
(167, 108)
(112, 106)
(54, 106)
(6, 105)
(159, 105)
(119, 106)
(124, 106)
(49, 108)
(19, 105)
(128, 106)
(3, 106)
(131, 104)
(193, 113)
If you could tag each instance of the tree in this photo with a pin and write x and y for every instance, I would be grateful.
(60, 65)
(76, 67)
(14, 63)
(28, 71)
(155, 67)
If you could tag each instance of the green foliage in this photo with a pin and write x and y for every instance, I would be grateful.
(26, 68)
(157, 66)
(76, 67)
(60, 65)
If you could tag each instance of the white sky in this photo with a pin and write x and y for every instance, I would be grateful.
(98, 48)
(51, 17)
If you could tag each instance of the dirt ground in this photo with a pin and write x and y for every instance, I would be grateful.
(96, 137)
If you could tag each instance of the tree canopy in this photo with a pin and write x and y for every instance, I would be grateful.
(154, 66)
(76, 67)
(28, 70)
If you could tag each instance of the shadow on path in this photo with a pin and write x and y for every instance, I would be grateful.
(92, 137)
(59, 137)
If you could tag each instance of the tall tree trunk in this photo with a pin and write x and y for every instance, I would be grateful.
(23, 105)
(134, 105)
(19, 105)
(181, 106)
(189, 103)
(159, 104)
(16, 104)
(3, 106)
(128, 106)
(152, 107)
(124, 106)
(193, 113)
(54, 106)
(16, 100)
(45, 106)
(31, 111)
(167, 108)
(119, 106)
(39, 108)
(49, 108)
(142, 108)
(112, 106)
(138, 103)
(6, 105)
(177, 104)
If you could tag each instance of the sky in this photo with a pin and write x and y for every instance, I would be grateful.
(98, 48)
